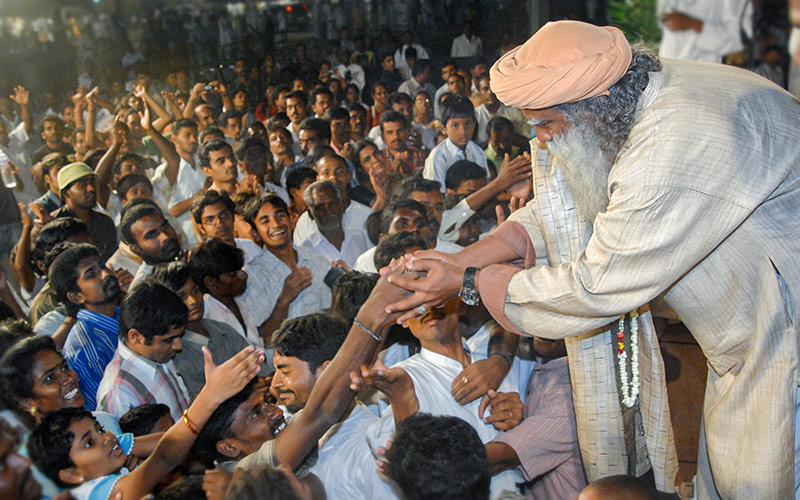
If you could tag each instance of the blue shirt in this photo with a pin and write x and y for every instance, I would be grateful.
(89, 348)
(447, 153)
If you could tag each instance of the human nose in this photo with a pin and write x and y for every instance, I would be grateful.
(177, 344)
(542, 134)
(277, 380)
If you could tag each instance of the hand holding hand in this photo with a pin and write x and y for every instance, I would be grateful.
(441, 281)
(506, 410)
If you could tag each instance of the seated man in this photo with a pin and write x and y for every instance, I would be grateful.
(214, 213)
(222, 340)
(401, 216)
(152, 319)
(331, 238)
(285, 281)
(91, 292)
(149, 235)
(217, 269)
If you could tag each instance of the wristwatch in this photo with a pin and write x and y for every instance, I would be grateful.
(468, 294)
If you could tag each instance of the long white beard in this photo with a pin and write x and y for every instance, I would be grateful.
(586, 167)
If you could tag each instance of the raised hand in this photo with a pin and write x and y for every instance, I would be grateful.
(146, 118)
(20, 96)
(506, 410)
(232, 376)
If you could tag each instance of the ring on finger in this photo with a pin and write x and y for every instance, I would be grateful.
(465, 380)
(421, 310)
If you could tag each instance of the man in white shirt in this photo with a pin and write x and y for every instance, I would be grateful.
(13, 141)
(213, 213)
(701, 31)
(330, 237)
(152, 320)
(419, 81)
(467, 44)
(297, 111)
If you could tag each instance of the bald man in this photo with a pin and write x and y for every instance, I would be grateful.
(671, 177)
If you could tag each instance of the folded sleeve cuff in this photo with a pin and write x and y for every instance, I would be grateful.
(515, 237)
(492, 285)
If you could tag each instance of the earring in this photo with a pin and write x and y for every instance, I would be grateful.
(82, 479)
(33, 411)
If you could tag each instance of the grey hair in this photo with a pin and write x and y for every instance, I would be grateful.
(309, 192)
(613, 115)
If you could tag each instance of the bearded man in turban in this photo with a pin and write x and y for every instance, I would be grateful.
(672, 178)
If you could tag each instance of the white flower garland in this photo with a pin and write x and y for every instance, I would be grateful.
(629, 392)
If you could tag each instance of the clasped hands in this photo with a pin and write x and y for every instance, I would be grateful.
(439, 277)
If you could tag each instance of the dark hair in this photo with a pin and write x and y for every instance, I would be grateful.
(50, 443)
(393, 117)
(52, 233)
(420, 66)
(63, 272)
(279, 119)
(395, 246)
(419, 184)
(140, 420)
(129, 181)
(218, 426)
(16, 370)
(321, 127)
(51, 118)
(177, 125)
(172, 274)
(373, 227)
(350, 290)
(499, 123)
(211, 130)
(151, 308)
(274, 126)
(410, 52)
(263, 482)
(250, 143)
(312, 338)
(211, 197)
(245, 202)
(185, 488)
(298, 94)
(133, 214)
(268, 198)
(93, 157)
(449, 62)
(298, 176)
(359, 146)
(457, 106)
(338, 113)
(356, 106)
(387, 214)
(213, 258)
(321, 90)
(128, 155)
(319, 152)
(281, 87)
(226, 115)
(52, 160)
(460, 171)
(400, 98)
(11, 331)
(208, 147)
(435, 457)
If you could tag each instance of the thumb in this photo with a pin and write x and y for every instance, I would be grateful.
(482, 408)
(500, 214)
(208, 362)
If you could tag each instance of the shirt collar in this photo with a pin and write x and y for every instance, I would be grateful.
(454, 150)
(442, 360)
(146, 366)
(87, 315)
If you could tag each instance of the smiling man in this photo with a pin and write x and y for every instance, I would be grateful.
(83, 283)
(214, 214)
(142, 370)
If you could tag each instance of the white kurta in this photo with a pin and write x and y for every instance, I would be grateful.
(704, 203)
(722, 24)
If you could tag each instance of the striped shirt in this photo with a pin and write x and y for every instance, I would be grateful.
(89, 348)
(131, 380)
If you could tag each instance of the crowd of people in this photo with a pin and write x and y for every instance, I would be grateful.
(195, 299)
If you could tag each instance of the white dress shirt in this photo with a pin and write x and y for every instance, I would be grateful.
(465, 47)
(218, 311)
(355, 243)
(447, 153)
(190, 180)
(355, 216)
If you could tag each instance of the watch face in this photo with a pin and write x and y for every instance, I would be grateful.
(471, 297)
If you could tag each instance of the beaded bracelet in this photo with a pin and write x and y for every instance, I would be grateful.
(188, 422)
(367, 330)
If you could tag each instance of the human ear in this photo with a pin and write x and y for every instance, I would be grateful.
(228, 449)
(71, 476)
(75, 297)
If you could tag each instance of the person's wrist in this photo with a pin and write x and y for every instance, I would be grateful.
(371, 320)
(502, 357)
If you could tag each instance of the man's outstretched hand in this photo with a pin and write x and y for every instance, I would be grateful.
(441, 279)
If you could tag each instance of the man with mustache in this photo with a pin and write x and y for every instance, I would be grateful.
(148, 235)
(330, 237)
(78, 188)
(90, 292)
(672, 177)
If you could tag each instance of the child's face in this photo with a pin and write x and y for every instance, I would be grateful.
(460, 130)
(94, 451)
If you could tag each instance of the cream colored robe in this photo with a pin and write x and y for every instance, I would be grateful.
(704, 204)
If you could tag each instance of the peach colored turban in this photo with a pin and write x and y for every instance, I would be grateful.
(565, 61)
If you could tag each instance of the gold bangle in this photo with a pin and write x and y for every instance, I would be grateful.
(188, 422)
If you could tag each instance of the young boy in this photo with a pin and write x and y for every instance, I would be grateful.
(74, 451)
(458, 119)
